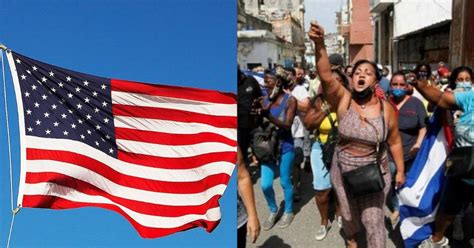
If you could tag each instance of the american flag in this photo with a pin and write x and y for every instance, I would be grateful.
(161, 156)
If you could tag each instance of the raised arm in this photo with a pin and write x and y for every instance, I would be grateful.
(443, 99)
(395, 143)
(332, 90)
(246, 193)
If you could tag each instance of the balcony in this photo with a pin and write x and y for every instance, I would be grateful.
(378, 6)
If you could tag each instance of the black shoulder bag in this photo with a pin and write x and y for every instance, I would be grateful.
(366, 179)
(331, 141)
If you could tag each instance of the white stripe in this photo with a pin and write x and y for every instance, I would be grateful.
(412, 224)
(146, 172)
(169, 151)
(412, 196)
(21, 125)
(153, 221)
(172, 127)
(135, 99)
(89, 176)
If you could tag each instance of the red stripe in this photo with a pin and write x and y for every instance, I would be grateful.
(170, 139)
(173, 91)
(174, 115)
(145, 232)
(177, 163)
(137, 206)
(126, 180)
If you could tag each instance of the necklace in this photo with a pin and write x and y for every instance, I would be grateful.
(362, 106)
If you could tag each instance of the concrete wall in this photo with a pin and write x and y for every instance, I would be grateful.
(358, 52)
(413, 15)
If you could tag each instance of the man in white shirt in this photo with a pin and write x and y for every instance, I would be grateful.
(300, 92)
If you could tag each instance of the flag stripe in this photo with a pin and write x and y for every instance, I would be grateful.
(173, 115)
(83, 174)
(134, 99)
(170, 139)
(71, 194)
(193, 172)
(137, 206)
(190, 187)
(168, 151)
(53, 202)
(177, 163)
(172, 127)
(173, 92)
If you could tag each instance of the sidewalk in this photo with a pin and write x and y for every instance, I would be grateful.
(303, 229)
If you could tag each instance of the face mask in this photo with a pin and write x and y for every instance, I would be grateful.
(444, 80)
(362, 95)
(398, 93)
(422, 75)
(465, 85)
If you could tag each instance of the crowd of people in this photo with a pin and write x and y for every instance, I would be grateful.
(359, 128)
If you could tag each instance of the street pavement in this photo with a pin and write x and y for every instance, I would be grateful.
(301, 233)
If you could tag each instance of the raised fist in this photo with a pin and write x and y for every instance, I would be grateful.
(316, 33)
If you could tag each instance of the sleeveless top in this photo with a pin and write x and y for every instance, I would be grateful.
(285, 137)
(358, 140)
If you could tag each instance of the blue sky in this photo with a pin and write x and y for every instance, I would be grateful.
(175, 42)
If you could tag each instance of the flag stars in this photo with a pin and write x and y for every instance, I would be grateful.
(78, 89)
(44, 97)
(68, 78)
(43, 79)
(51, 74)
(79, 106)
(88, 117)
(28, 112)
(28, 71)
(96, 110)
(60, 84)
(37, 105)
(107, 136)
(97, 127)
(97, 143)
(82, 136)
(94, 93)
(46, 115)
(27, 94)
(64, 116)
(54, 106)
(65, 133)
(18, 61)
(80, 121)
(70, 95)
(38, 122)
(86, 83)
(47, 131)
(30, 129)
(23, 77)
(106, 120)
(104, 104)
(87, 100)
(89, 132)
(70, 111)
(34, 68)
(53, 90)
(73, 126)
(111, 151)
(56, 123)
(33, 87)
(103, 86)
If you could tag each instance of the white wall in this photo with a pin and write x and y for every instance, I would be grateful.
(257, 52)
(412, 15)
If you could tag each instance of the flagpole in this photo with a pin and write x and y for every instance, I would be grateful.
(14, 210)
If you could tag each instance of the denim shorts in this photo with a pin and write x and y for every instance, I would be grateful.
(321, 176)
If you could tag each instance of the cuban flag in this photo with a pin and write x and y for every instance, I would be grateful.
(420, 196)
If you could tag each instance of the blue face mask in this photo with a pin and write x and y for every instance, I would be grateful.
(398, 93)
(465, 85)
